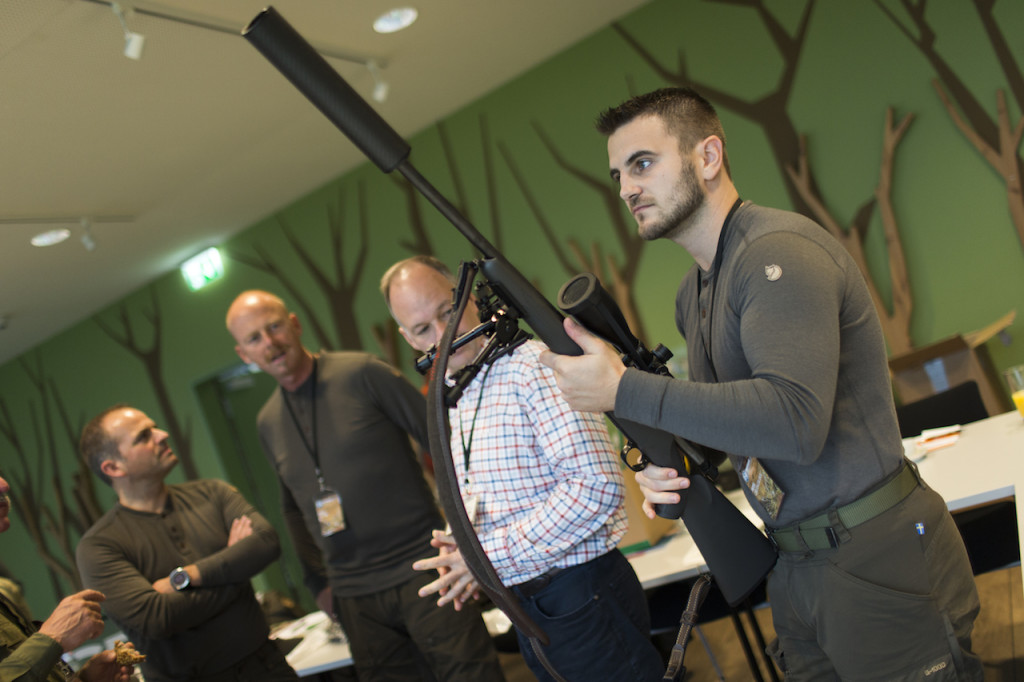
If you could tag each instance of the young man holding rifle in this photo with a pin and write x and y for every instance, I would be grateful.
(789, 377)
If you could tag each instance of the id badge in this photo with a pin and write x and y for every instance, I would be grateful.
(763, 486)
(329, 512)
(472, 502)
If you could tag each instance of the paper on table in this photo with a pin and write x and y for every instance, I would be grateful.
(300, 626)
(933, 439)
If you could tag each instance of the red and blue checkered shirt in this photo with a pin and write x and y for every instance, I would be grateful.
(548, 482)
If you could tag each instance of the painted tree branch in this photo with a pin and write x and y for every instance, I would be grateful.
(386, 337)
(27, 484)
(497, 233)
(618, 287)
(83, 482)
(151, 357)
(264, 263)
(421, 238)
(617, 274)
(1003, 157)
(967, 112)
(339, 286)
(460, 200)
(51, 516)
(1001, 46)
(538, 214)
(895, 324)
(770, 111)
(898, 331)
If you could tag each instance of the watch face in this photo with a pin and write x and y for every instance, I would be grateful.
(179, 579)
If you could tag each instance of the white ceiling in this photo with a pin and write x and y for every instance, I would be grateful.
(202, 137)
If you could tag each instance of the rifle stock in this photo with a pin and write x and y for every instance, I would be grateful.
(736, 552)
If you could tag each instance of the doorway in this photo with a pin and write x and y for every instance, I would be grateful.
(230, 402)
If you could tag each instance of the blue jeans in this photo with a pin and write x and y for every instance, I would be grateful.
(596, 618)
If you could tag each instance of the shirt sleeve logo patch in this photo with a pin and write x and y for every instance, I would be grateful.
(772, 272)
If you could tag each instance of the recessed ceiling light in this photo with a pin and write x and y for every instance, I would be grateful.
(395, 20)
(51, 237)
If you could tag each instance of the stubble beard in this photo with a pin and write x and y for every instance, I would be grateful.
(690, 198)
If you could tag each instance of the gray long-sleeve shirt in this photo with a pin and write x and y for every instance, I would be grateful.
(365, 413)
(799, 376)
(200, 630)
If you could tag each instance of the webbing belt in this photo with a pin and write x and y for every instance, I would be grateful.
(818, 532)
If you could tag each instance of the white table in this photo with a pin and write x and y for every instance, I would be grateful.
(985, 465)
(321, 648)
(677, 557)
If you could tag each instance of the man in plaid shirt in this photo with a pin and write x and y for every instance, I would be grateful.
(543, 488)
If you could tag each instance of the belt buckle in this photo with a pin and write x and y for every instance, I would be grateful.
(833, 539)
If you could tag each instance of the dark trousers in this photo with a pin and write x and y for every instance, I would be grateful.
(895, 601)
(596, 618)
(397, 636)
(266, 664)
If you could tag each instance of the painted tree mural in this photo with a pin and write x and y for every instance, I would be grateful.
(996, 138)
(151, 355)
(338, 284)
(36, 464)
(617, 268)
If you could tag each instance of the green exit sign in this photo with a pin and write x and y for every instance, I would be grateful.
(200, 270)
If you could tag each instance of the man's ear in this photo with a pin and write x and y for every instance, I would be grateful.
(112, 468)
(712, 157)
(405, 335)
(242, 355)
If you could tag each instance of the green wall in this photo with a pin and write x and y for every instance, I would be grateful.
(966, 264)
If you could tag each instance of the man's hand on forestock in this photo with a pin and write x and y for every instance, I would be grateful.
(588, 382)
(455, 583)
(657, 484)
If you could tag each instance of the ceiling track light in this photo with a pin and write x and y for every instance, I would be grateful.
(211, 24)
(88, 241)
(58, 234)
(380, 86)
(133, 42)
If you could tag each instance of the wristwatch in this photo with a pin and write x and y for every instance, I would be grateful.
(179, 579)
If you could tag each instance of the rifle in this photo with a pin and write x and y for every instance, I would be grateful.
(738, 555)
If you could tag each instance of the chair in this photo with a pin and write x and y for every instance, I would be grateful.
(961, 404)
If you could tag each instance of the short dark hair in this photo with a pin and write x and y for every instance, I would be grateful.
(397, 268)
(685, 113)
(96, 445)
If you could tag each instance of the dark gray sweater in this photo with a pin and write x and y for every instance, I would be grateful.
(365, 413)
(199, 630)
(800, 377)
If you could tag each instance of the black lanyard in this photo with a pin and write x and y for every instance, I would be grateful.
(466, 446)
(716, 266)
(311, 448)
